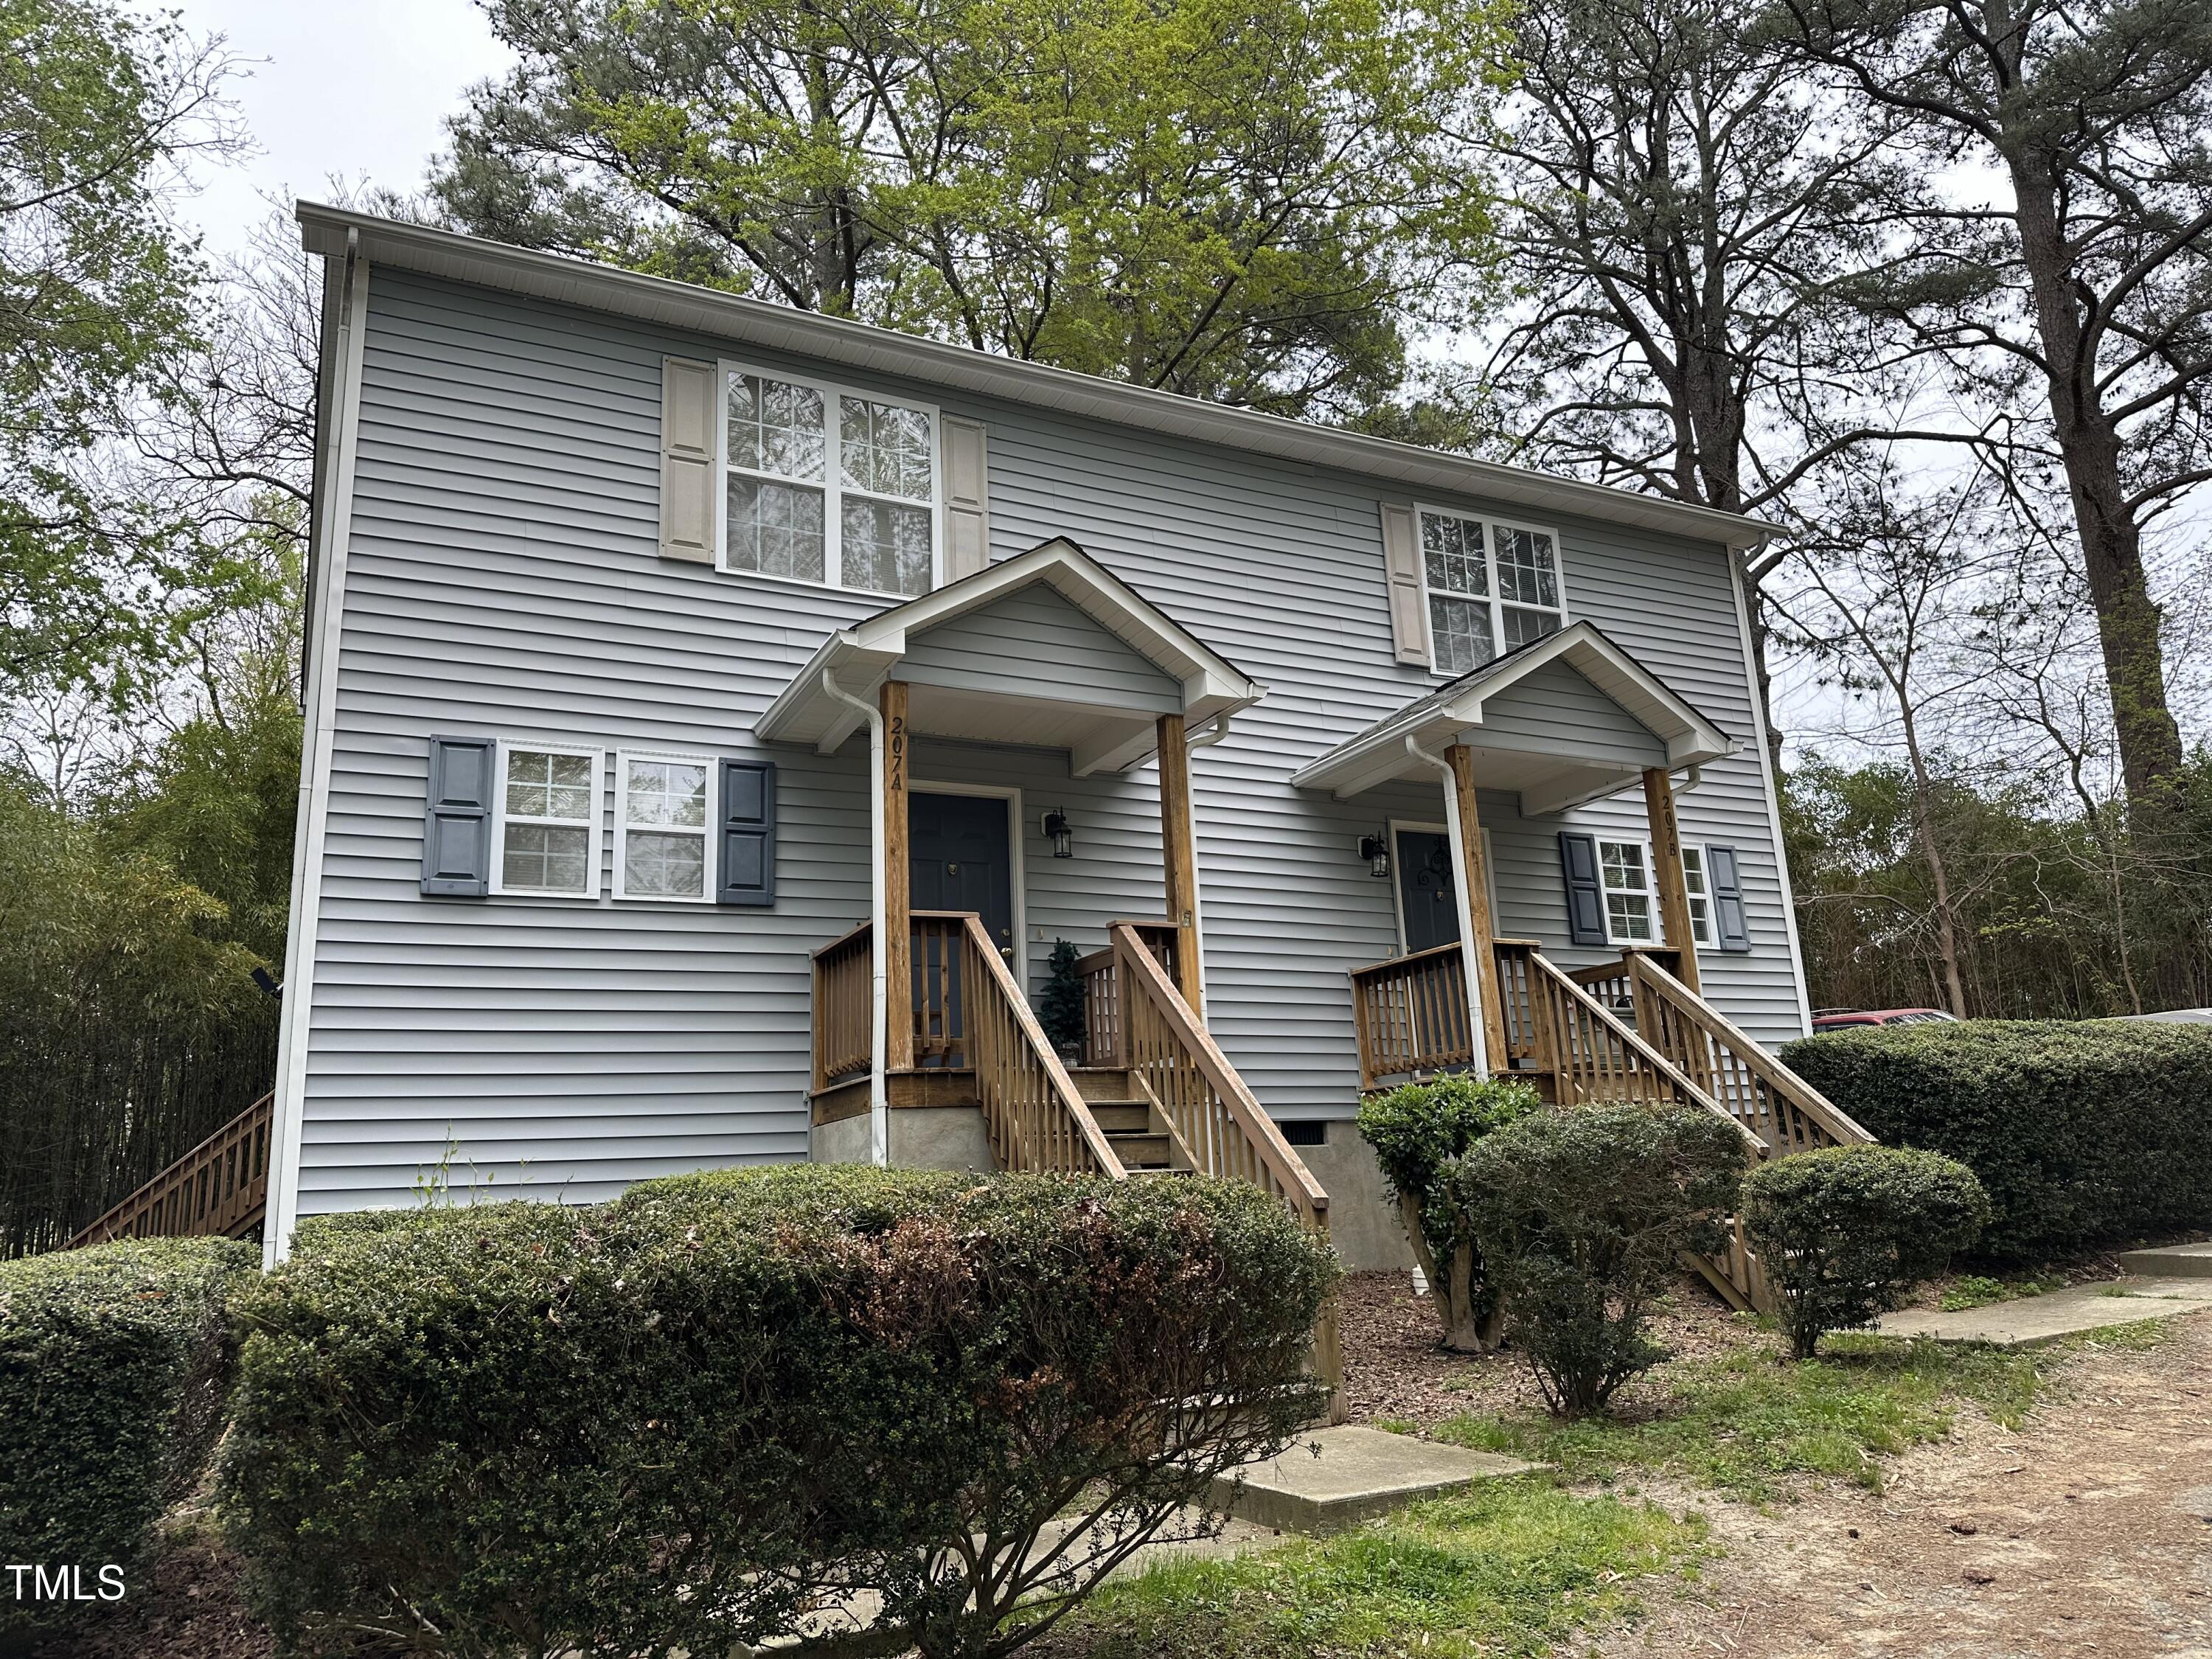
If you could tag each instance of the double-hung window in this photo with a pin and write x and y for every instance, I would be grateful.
(825, 484)
(1492, 587)
(549, 821)
(1628, 876)
(663, 807)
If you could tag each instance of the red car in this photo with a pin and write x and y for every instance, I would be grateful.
(1842, 1019)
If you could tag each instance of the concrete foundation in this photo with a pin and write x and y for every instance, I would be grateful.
(1363, 1216)
(921, 1138)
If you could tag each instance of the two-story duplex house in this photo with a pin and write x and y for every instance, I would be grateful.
(716, 714)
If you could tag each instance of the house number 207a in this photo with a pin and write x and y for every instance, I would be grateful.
(896, 750)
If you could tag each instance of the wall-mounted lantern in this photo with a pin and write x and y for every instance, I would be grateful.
(1058, 832)
(1376, 849)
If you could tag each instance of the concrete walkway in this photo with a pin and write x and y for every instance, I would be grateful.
(2054, 1314)
(1333, 1479)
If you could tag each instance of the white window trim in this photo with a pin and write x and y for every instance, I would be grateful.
(708, 832)
(1492, 524)
(1651, 873)
(830, 483)
(502, 749)
(1398, 891)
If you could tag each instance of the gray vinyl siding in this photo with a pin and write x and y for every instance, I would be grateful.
(503, 582)
(1034, 644)
(1555, 706)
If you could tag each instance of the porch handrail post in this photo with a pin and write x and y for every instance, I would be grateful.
(895, 879)
(1667, 859)
(1179, 850)
(1481, 976)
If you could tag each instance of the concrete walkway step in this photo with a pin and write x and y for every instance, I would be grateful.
(2170, 1261)
(1358, 1475)
(2074, 1311)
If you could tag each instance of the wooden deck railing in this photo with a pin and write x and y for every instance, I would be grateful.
(1590, 1054)
(1102, 1007)
(844, 1007)
(1412, 1015)
(219, 1187)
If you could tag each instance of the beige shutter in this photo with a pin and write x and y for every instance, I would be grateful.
(1409, 608)
(967, 499)
(687, 460)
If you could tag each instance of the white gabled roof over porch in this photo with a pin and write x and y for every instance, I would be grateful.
(1107, 664)
(1563, 719)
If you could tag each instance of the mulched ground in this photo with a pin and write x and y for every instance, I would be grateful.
(1395, 1368)
(187, 1607)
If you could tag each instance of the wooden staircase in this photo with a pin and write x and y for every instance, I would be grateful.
(1133, 1124)
(220, 1188)
(1626, 1031)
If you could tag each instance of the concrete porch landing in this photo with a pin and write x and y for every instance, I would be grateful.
(1358, 1474)
(2171, 1261)
(2056, 1314)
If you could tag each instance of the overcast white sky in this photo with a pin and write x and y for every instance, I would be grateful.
(345, 88)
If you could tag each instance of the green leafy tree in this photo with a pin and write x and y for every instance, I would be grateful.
(1243, 200)
(98, 106)
(1419, 1132)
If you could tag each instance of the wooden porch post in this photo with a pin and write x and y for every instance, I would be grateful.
(1482, 959)
(897, 878)
(1667, 859)
(1179, 850)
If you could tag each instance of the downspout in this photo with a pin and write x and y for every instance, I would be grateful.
(1478, 1032)
(879, 946)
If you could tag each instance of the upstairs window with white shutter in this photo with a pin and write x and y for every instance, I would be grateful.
(1493, 586)
(827, 484)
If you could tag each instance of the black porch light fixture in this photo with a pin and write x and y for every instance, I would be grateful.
(1376, 849)
(1058, 832)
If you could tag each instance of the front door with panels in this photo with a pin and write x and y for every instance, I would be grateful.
(961, 859)
(1425, 895)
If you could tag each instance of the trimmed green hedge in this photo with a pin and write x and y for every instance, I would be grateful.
(2083, 1134)
(114, 1362)
(676, 1419)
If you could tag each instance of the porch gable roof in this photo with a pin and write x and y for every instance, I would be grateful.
(1561, 768)
(1089, 723)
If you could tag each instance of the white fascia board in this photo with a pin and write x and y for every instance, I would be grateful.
(1411, 469)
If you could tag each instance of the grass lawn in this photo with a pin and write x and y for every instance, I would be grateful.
(1508, 1568)
(1746, 1424)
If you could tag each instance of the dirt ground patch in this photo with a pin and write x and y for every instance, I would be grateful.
(2088, 1532)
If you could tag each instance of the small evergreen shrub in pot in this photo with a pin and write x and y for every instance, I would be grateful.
(1845, 1233)
(681, 1419)
(114, 1363)
(1582, 1215)
(1417, 1130)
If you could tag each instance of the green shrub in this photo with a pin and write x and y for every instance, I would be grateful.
(1582, 1215)
(1062, 1006)
(1416, 1130)
(1845, 1233)
(680, 1418)
(2083, 1134)
(114, 1362)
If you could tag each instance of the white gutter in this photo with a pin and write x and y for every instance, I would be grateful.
(1478, 1034)
(880, 944)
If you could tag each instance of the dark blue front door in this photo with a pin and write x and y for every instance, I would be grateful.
(1425, 889)
(959, 859)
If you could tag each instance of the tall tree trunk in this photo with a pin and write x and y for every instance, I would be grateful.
(1923, 826)
(2128, 621)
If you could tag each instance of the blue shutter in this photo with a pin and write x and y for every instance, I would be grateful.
(1731, 926)
(748, 832)
(1585, 895)
(457, 820)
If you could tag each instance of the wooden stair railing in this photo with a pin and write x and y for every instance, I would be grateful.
(220, 1188)
(1102, 1006)
(1036, 1116)
(844, 1008)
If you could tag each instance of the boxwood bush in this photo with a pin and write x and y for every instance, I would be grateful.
(2082, 1133)
(681, 1420)
(1846, 1232)
(114, 1362)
